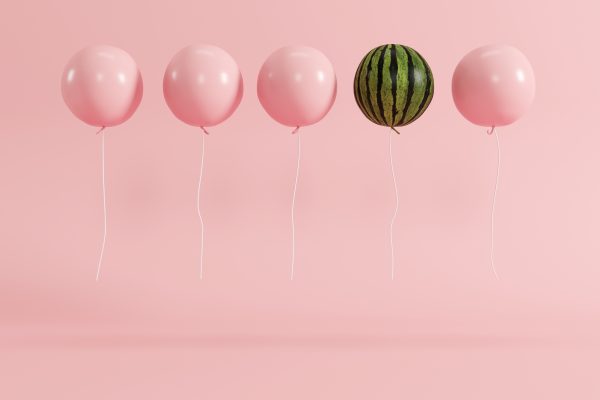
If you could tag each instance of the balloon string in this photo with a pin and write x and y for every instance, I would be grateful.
(395, 210)
(104, 208)
(294, 207)
(198, 208)
(494, 204)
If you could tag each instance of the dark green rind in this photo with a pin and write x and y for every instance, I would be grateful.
(428, 93)
(381, 67)
(387, 100)
(372, 79)
(394, 80)
(357, 80)
(404, 85)
(419, 85)
(364, 86)
(374, 86)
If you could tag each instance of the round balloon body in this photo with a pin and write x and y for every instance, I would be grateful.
(102, 85)
(393, 85)
(297, 86)
(203, 85)
(493, 85)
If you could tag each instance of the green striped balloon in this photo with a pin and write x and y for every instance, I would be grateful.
(393, 85)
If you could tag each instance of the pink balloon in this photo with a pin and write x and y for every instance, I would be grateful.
(203, 85)
(297, 86)
(102, 85)
(493, 85)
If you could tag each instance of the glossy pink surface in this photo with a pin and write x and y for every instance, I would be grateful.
(102, 85)
(297, 85)
(493, 85)
(203, 85)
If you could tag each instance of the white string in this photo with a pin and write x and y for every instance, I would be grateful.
(395, 210)
(104, 207)
(198, 209)
(494, 205)
(294, 207)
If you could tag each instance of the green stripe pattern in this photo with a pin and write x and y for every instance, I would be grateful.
(393, 85)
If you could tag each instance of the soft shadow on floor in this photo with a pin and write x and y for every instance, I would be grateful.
(329, 341)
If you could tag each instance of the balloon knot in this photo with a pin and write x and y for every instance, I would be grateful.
(394, 129)
(100, 130)
(491, 131)
(295, 130)
(204, 130)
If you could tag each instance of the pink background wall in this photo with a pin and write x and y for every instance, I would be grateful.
(548, 222)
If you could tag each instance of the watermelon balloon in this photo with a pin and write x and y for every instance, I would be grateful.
(393, 85)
